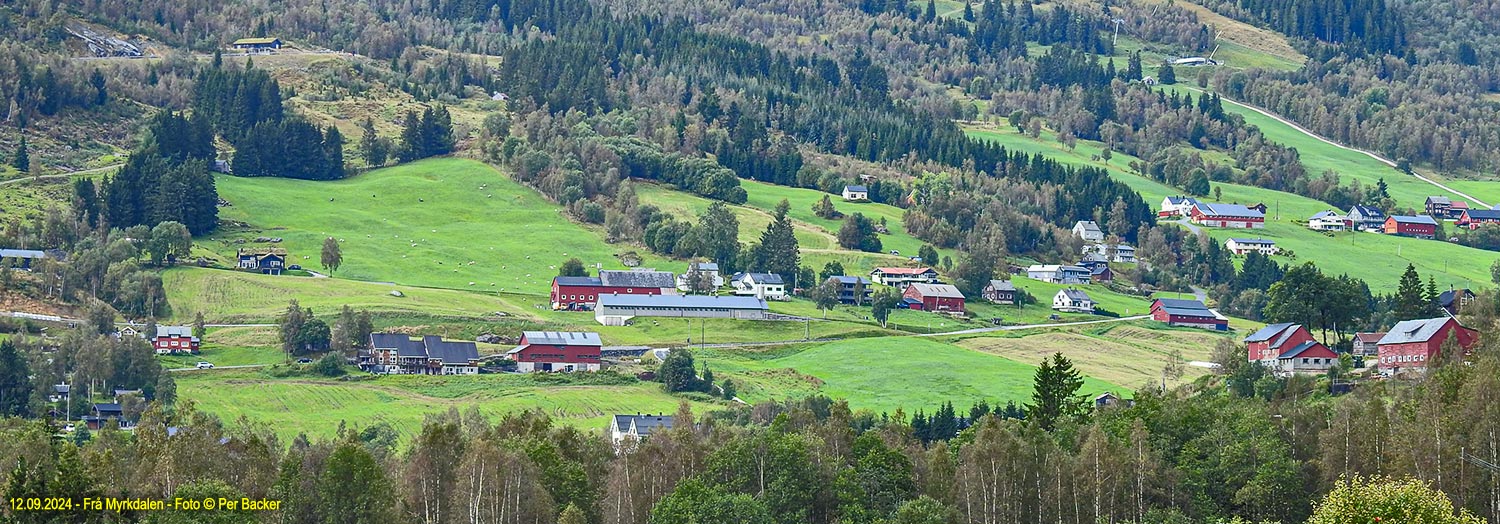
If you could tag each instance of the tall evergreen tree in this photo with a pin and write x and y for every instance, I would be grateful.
(1411, 299)
(21, 160)
(333, 153)
(15, 382)
(777, 252)
(1054, 393)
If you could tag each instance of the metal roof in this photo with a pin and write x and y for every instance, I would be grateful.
(403, 345)
(937, 290)
(644, 424)
(1366, 211)
(903, 270)
(450, 352)
(661, 279)
(764, 278)
(1002, 285)
(577, 281)
(1088, 225)
(1228, 210)
(1483, 214)
(22, 253)
(563, 338)
(856, 189)
(175, 331)
(1438, 200)
(1419, 219)
(682, 301)
(1076, 295)
(1259, 241)
(845, 279)
(1414, 331)
(1326, 214)
(1269, 331)
(1299, 349)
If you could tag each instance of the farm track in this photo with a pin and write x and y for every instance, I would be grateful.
(1370, 154)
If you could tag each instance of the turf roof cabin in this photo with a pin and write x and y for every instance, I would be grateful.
(256, 44)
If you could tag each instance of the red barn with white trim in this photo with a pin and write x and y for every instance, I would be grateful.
(935, 297)
(1227, 215)
(1271, 341)
(1411, 344)
(557, 351)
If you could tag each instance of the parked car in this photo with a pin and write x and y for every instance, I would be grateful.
(205, 365)
(304, 360)
(294, 267)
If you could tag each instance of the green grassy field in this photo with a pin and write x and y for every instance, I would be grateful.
(882, 374)
(445, 222)
(237, 297)
(816, 236)
(1378, 259)
(1128, 354)
(317, 406)
(1319, 156)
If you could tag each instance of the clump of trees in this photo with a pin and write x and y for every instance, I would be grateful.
(858, 232)
(301, 333)
(430, 134)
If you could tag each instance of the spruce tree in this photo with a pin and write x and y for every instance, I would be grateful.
(1411, 300)
(333, 153)
(1055, 393)
(15, 382)
(21, 160)
(1165, 75)
(778, 252)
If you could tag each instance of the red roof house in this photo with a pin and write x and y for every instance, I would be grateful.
(1268, 344)
(557, 351)
(1411, 344)
(934, 297)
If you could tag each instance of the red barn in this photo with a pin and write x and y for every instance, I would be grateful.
(574, 293)
(1227, 215)
(174, 339)
(1411, 344)
(557, 351)
(1472, 218)
(1189, 313)
(934, 297)
(1420, 226)
(1267, 345)
(1306, 357)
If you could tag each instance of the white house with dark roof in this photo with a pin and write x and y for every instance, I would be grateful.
(767, 286)
(1241, 246)
(1366, 217)
(710, 269)
(1059, 274)
(626, 430)
(856, 193)
(1088, 230)
(1177, 205)
(1072, 301)
(1327, 221)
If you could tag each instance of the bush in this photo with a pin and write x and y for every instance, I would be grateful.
(331, 365)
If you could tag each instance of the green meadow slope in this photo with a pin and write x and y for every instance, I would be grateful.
(1378, 259)
(443, 222)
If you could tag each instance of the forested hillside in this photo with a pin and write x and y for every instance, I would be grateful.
(658, 126)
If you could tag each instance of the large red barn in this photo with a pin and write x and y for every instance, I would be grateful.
(581, 292)
(1411, 344)
(934, 297)
(1270, 342)
(1227, 215)
(557, 351)
(1189, 313)
(1420, 226)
